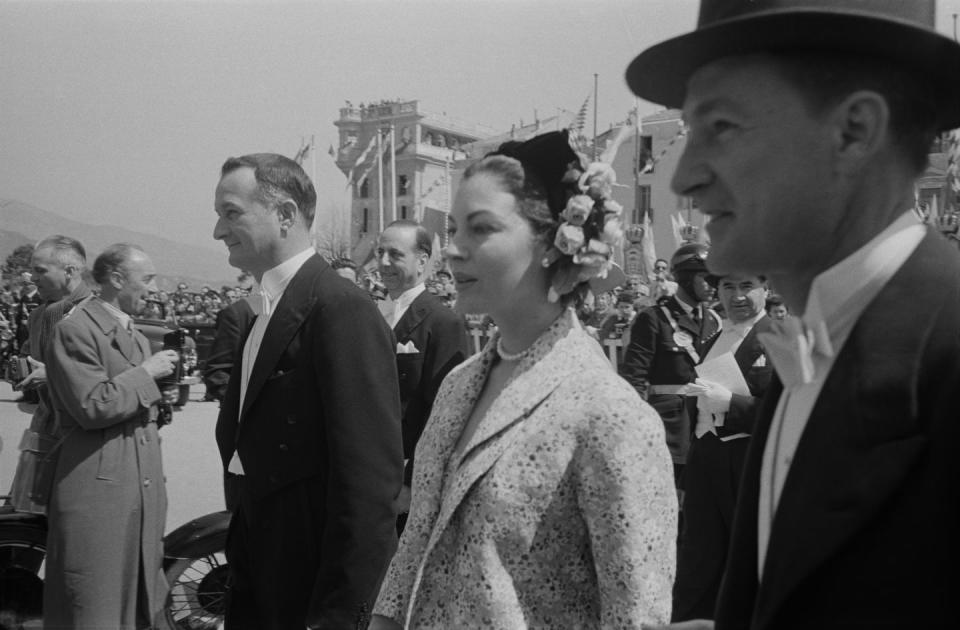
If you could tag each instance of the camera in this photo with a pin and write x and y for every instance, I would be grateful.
(174, 340)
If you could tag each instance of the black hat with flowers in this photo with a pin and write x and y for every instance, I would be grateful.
(580, 197)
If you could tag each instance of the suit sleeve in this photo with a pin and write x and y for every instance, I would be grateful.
(638, 357)
(354, 357)
(225, 347)
(79, 379)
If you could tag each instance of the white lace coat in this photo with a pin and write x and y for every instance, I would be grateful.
(561, 513)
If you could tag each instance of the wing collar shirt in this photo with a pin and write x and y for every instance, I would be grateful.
(404, 301)
(838, 297)
(272, 285)
(731, 336)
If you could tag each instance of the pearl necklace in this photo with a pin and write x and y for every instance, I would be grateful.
(506, 356)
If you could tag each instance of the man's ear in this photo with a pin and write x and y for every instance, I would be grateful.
(117, 279)
(287, 213)
(861, 123)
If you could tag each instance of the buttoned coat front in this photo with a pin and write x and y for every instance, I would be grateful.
(108, 505)
(561, 512)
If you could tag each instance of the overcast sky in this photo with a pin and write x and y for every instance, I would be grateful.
(122, 112)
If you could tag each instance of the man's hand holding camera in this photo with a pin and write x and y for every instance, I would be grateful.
(161, 364)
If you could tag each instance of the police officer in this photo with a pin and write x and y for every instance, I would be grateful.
(667, 341)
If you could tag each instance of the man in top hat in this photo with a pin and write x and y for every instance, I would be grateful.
(666, 343)
(809, 122)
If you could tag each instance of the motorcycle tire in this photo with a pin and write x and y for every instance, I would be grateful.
(198, 587)
(23, 547)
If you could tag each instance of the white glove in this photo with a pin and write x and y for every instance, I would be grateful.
(711, 397)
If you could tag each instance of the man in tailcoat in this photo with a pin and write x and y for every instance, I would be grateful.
(233, 322)
(107, 510)
(310, 422)
(431, 338)
(809, 123)
(667, 341)
(724, 422)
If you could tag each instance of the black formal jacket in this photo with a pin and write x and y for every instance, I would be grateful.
(440, 335)
(233, 324)
(756, 370)
(653, 357)
(322, 406)
(865, 534)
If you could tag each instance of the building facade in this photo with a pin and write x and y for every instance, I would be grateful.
(403, 175)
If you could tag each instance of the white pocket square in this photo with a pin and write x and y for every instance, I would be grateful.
(407, 348)
(760, 362)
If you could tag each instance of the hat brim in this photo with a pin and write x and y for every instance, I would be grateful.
(660, 73)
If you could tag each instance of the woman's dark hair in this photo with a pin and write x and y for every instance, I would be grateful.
(525, 187)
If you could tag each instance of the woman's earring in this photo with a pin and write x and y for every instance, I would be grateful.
(545, 262)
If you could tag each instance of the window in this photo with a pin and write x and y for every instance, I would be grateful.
(403, 185)
(403, 211)
(642, 206)
(365, 225)
(365, 190)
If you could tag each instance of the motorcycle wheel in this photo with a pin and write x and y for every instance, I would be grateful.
(198, 588)
(23, 547)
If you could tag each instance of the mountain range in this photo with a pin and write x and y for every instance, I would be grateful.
(23, 224)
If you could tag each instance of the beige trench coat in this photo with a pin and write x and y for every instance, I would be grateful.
(108, 506)
(561, 512)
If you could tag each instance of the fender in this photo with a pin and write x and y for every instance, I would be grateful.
(199, 537)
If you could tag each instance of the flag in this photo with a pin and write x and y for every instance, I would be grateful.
(610, 153)
(580, 121)
(303, 153)
(373, 164)
(648, 247)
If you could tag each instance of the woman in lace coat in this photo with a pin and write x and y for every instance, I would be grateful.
(543, 493)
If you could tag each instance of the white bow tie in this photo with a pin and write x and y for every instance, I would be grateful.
(791, 345)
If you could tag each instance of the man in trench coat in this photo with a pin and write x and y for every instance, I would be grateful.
(108, 505)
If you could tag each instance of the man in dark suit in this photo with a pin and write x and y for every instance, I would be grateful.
(667, 341)
(431, 338)
(808, 125)
(311, 422)
(724, 422)
(233, 322)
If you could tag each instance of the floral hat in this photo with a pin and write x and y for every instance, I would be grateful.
(580, 197)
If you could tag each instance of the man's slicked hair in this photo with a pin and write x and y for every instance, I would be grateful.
(111, 259)
(278, 179)
(66, 250)
(424, 243)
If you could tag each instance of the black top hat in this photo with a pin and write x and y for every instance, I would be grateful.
(899, 30)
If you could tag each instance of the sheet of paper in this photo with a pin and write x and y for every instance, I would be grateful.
(724, 371)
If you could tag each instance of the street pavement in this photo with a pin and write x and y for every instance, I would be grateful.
(190, 459)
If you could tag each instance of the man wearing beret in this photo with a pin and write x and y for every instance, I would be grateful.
(809, 122)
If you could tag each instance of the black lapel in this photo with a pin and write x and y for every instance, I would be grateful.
(413, 317)
(863, 434)
(286, 319)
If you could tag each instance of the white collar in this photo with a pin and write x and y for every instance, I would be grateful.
(742, 327)
(839, 295)
(275, 280)
(405, 299)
